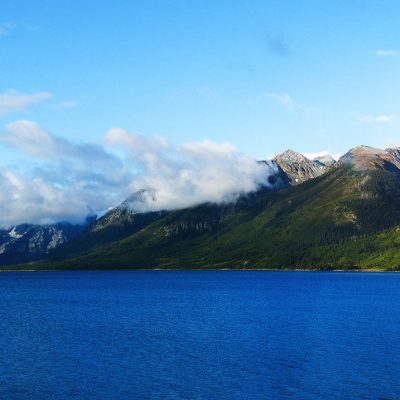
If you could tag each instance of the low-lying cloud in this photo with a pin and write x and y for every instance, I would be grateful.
(64, 181)
(58, 180)
(189, 174)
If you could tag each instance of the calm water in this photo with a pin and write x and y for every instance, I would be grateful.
(199, 335)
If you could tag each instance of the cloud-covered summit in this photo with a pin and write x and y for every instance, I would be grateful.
(189, 174)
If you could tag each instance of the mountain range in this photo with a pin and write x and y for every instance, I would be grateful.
(313, 214)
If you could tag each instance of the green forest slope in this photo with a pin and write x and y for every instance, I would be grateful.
(344, 219)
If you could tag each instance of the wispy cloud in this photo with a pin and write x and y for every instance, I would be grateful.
(207, 91)
(378, 119)
(387, 53)
(65, 104)
(7, 27)
(288, 102)
(13, 101)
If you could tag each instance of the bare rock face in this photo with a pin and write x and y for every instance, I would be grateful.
(394, 152)
(126, 212)
(365, 158)
(27, 242)
(298, 168)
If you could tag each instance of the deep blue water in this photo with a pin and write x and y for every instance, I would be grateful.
(199, 335)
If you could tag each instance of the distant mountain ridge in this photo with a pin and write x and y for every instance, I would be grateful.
(314, 214)
(27, 242)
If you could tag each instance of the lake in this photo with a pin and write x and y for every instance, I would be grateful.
(199, 335)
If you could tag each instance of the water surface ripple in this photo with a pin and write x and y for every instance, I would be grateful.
(199, 335)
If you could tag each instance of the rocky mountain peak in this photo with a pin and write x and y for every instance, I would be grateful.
(364, 158)
(292, 156)
(297, 167)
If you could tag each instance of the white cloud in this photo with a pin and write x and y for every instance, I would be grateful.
(33, 140)
(13, 101)
(35, 200)
(387, 53)
(287, 101)
(59, 180)
(29, 137)
(381, 119)
(189, 174)
(63, 181)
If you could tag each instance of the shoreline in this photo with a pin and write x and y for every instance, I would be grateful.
(366, 270)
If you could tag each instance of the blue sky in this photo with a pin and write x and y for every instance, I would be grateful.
(190, 70)
(262, 75)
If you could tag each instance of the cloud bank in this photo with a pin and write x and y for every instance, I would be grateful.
(64, 181)
(58, 180)
(189, 174)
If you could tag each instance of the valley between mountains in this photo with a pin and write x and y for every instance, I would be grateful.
(313, 214)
